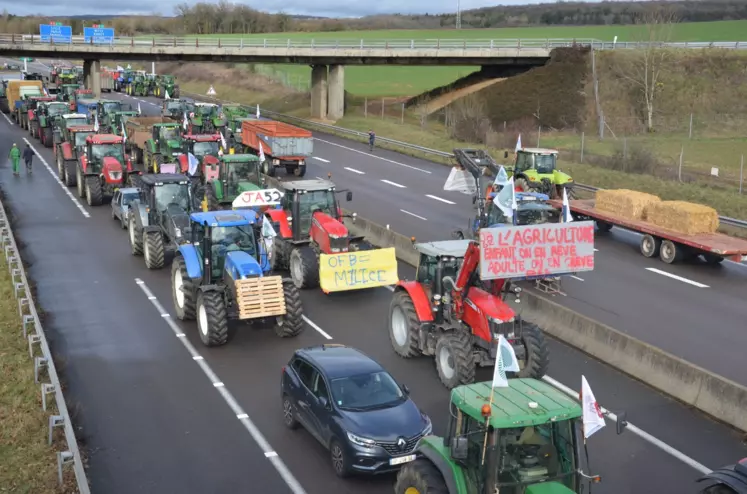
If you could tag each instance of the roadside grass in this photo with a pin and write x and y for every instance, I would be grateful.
(27, 463)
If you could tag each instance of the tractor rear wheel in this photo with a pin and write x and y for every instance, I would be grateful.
(290, 324)
(60, 164)
(420, 477)
(183, 290)
(300, 171)
(47, 137)
(268, 168)
(71, 173)
(157, 162)
(455, 361)
(94, 194)
(403, 325)
(33, 129)
(135, 236)
(79, 180)
(153, 250)
(304, 267)
(212, 319)
(536, 351)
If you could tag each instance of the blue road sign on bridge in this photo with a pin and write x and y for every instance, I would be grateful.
(55, 33)
(99, 35)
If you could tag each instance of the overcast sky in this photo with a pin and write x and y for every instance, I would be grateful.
(325, 8)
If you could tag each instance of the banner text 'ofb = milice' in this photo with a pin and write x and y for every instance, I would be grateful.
(357, 270)
(548, 249)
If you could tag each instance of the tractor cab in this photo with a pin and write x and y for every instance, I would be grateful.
(537, 168)
(117, 120)
(77, 136)
(535, 445)
(66, 92)
(107, 107)
(52, 109)
(438, 260)
(168, 138)
(105, 150)
(532, 209)
(206, 118)
(303, 198)
(202, 145)
(72, 119)
(175, 108)
(223, 180)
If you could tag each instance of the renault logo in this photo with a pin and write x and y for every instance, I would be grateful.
(401, 443)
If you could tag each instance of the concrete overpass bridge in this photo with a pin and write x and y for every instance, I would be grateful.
(327, 57)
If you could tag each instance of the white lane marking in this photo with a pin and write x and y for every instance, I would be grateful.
(319, 178)
(637, 431)
(199, 357)
(413, 214)
(268, 450)
(317, 328)
(59, 182)
(389, 287)
(678, 278)
(596, 250)
(8, 119)
(576, 278)
(439, 199)
(242, 416)
(395, 184)
(354, 170)
(373, 156)
(320, 159)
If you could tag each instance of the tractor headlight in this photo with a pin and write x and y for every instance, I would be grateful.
(115, 175)
(275, 162)
(177, 232)
(335, 236)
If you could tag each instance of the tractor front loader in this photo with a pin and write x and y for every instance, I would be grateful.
(448, 313)
(224, 273)
(318, 249)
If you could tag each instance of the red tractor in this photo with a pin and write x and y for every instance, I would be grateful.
(452, 315)
(309, 223)
(102, 168)
(204, 147)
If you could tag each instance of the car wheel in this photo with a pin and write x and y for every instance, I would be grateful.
(289, 413)
(340, 462)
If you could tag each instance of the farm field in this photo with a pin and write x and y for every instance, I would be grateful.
(383, 81)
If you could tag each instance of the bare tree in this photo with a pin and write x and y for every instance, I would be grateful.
(648, 61)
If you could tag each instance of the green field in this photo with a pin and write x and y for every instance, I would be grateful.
(410, 81)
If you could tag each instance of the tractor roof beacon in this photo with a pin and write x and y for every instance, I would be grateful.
(223, 272)
(159, 217)
(449, 313)
(530, 435)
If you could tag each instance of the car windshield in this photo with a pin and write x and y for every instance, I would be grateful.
(80, 138)
(101, 151)
(188, 107)
(528, 455)
(112, 106)
(128, 198)
(205, 110)
(226, 239)
(366, 391)
(172, 194)
(173, 105)
(318, 200)
(169, 133)
(545, 163)
(241, 172)
(54, 110)
(72, 122)
(203, 148)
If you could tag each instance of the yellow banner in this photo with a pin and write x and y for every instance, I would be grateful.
(356, 270)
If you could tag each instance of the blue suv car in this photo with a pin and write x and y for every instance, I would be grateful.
(354, 407)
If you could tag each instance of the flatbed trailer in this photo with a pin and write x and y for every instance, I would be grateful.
(669, 245)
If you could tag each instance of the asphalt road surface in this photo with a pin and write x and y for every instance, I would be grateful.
(151, 413)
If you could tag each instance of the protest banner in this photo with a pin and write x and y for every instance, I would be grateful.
(356, 270)
(536, 250)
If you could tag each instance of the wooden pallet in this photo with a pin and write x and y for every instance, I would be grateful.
(260, 297)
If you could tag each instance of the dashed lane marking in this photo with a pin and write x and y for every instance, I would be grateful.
(373, 156)
(320, 159)
(576, 278)
(8, 119)
(354, 170)
(678, 278)
(246, 421)
(316, 328)
(59, 182)
(440, 199)
(413, 214)
(395, 184)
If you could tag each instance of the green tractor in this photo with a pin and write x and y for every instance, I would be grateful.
(118, 118)
(177, 108)
(235, 116)
(207, 118)
(163, 147)
(223, 182)
(166, 84)
(66, 94)
(536, 170)
(527, 440)
(79, 74)
(140, 86)
(105, 112)
(46, 115)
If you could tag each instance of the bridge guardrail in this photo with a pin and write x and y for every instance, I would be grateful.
(33, 331)
(366, 44)
(734, 222)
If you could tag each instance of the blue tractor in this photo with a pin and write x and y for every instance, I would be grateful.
(223, 272)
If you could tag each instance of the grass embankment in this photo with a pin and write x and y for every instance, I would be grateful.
(27, 463)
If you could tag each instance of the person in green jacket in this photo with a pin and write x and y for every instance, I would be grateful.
(15, 157)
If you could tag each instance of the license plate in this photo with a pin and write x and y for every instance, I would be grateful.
(402, 459)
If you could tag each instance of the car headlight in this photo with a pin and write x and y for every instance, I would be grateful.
(361, 441)
(429, 427)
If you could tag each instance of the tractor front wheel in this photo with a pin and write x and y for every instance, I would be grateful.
(291, 323)
(300, 171)
(183, 290)
(304, 267)
(60, 164)
(420, 477)
(157, 162)
(455, 361)
(94, 194)
(212, 319)
(153, 250)
(536, 351)
(70, 173)
(81, 184)
(521, 184)
(268, 168)
(403, 325)
(136, 237)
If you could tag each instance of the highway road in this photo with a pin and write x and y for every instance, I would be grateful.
(152, 417)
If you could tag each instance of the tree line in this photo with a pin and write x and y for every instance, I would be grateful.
(223, 17)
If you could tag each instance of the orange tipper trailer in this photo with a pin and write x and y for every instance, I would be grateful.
(282, 144)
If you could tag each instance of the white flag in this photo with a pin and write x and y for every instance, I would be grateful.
(592, 413)
(223, 141)
(185, 122)
(139, 110)
(257, 110)
(460, 181)
(567, 216)
(166, 95)
(510, 362)
(518, 143)
(502, 178)
(506, 199)
(261, 153)
(499, 372)
(193, 163)
(124, 133)
(96, 123)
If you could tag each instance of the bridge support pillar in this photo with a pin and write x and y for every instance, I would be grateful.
(319, 91)
(336, 94)
(92, 76)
